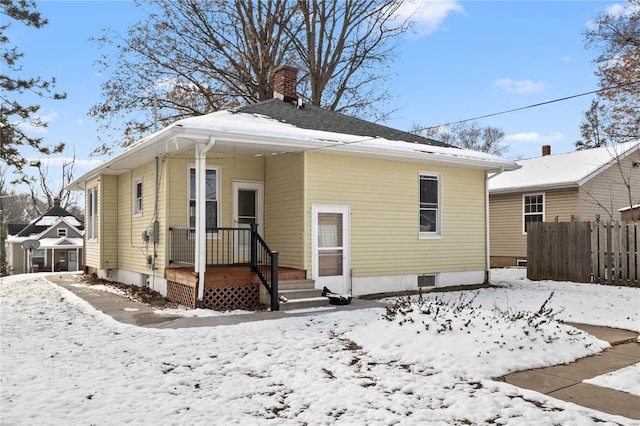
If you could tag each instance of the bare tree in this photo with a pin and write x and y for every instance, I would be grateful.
(345, 48)
(615, 33)
(629, 178)
(14, 115)
(593, 127)
(466, 135)
(193, 57)
(43, 191)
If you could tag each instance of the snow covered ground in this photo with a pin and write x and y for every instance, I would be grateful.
(63, 362)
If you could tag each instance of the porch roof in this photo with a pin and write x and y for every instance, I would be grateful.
(51, 243)
(275, 127)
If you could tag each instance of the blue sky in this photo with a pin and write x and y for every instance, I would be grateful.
(467, 59)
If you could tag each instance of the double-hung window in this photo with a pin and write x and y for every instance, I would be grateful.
(92, 213)
(137, 197)
(430, 205)
(61, 232)
(211, 198)
(533, 209)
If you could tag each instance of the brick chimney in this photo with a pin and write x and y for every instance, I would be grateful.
(56, 202)
(546, 150)
(285, 82)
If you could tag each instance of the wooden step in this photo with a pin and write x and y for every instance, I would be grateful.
(309, 302)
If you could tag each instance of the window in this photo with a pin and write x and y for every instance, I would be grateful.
(430, 205)
(38, 258)
(211, 196)
(92, 213)
(62, 232)
(137, 197)
(533, 208)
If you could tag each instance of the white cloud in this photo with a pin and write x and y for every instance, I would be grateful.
(80, 121)
(38, 130)
(567, 58)
(520, 86)
(426, 16)
(534, 137)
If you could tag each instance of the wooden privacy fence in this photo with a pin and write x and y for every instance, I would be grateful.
(598, 252)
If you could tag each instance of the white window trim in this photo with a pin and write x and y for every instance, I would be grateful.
(437, 235)
(137, 211)
(213, 235)
(63, 234)
(92, 223)
(544, 208)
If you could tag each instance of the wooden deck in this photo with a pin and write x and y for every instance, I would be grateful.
(225, 288)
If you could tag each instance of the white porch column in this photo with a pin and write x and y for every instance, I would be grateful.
(53, 250)
(201, 213)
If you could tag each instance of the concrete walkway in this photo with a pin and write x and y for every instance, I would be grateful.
(128, 311)
(563, 382)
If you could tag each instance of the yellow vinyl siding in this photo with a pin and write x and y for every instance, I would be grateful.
(384, 200)
(230, 168)
(607, 192)
(132, 251)
(284, 207)
(108, 219)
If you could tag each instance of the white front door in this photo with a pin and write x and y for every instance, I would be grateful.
(247, 210)
(330, 247)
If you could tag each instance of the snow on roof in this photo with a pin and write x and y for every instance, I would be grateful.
(51, 220)
(260, 126)
(60, 241)
(624, 209)
(559, 170)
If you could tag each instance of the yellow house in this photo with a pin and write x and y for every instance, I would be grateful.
(345, 204)
(580, 185)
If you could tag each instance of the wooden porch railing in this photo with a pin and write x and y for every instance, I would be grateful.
(229, 247)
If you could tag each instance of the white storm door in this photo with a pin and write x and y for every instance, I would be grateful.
(73, 260)
(248, 208)
(330, 247)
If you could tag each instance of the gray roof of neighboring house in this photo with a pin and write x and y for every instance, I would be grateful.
(311, 117)
(36, 226)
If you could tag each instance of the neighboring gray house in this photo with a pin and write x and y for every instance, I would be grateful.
(579, 185)
(60, 235)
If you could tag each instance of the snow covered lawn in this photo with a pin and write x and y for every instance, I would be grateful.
(63, 362)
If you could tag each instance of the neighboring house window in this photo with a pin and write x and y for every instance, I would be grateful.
(211, 196)
(137, 197)
(533, 208)
(62, 232)
(430, 205)
(38, 257)
(92, 213)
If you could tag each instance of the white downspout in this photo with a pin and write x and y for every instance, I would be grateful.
(200, 266)
(487, 278)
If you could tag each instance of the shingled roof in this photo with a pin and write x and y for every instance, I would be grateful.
(311, 117)
(45, 221)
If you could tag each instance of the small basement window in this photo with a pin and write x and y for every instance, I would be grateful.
(521, 263)
(426, 281)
